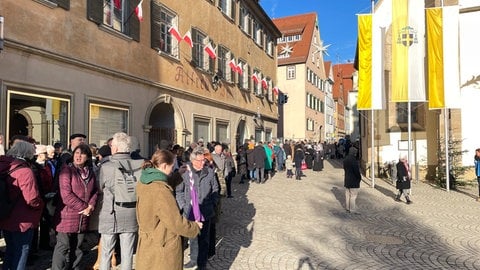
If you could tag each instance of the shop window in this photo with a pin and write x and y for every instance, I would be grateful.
(222, 132)
(44, 118)
(201, 129)
(258, 135)
(104, 121)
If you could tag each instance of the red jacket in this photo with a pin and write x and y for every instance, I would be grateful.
(25, 193)
(75, 195)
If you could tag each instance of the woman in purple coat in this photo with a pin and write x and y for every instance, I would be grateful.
(78, 196)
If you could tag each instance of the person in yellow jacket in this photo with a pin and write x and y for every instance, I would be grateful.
(161, 225)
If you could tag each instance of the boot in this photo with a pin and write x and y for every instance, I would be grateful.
(397, 198)
(408, 200)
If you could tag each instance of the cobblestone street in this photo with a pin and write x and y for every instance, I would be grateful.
(289, 224)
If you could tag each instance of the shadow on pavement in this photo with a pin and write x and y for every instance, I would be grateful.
(236, 226)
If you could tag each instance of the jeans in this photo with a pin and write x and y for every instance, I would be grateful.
(17, 248)
(259, 172)
(67, 251)
(350, 198)
(252, 174)
(199, 246)
(228, 183)
(127, 244)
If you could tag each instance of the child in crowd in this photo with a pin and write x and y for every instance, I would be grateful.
(289, 166)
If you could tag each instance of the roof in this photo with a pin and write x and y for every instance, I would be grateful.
(343, 75)
(303, 25)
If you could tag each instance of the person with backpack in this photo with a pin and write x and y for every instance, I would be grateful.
(21, 204)
(77, 200)
(118, 216)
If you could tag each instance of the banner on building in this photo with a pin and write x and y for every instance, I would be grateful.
(442, 52)
(408, 51)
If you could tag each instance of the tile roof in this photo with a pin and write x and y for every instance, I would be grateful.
(304, 25)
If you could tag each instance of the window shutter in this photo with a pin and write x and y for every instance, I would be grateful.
(95, 11)
(65, 4)
(233, 10)
(155, 26)
(134, 23)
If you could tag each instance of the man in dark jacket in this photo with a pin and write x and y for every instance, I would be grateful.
(352, 179)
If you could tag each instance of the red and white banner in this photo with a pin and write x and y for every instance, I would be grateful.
(188, 39)
(211, 52)
(173, 30)
(139, 11)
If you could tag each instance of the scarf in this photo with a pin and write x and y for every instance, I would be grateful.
(197, 215)
(150, 175)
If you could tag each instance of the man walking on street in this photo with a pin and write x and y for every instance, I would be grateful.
(352, 179)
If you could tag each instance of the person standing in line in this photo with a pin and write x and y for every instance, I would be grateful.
(117, 220)
(78, 197)
(219, 160)
(249, 149)
(160, 223)
(259, 158)
(289, 166)
(242, 163)
(404, 178)
(25, 215)
(197, 197)
(352, 180)
(299, 157)
(477, 169)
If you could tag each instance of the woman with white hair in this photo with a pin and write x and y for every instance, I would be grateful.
(404, 178)
(26, 204)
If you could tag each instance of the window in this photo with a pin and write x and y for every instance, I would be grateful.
(245, 21)
(291, 72)
(268, 135)
(201, 129)
(199, 57)
(162, 40)
(105, 120)
(243, 77)
(417, 115)
(223, 58)
(258, 32)
(257, 84)
(42, 117)
(269, 47)
(258, 135)
(221, 132)
(269, 90)
(117, 15)
(227, 7)
(310, 124)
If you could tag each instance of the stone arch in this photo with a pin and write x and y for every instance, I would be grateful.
(166, 107)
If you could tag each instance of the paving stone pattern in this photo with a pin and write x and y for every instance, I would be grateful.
(289, 224)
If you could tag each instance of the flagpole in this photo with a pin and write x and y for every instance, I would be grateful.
(447, 161)
(409, 110)
(372, 128)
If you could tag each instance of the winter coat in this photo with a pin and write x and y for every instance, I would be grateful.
(259, 156)
(207, 192)
(250, 159)
(299, 157)
(23, 190)
(268, 157)
(160, 226)
(351, 167)
(76, 193)
(114, 218)
(403, 180)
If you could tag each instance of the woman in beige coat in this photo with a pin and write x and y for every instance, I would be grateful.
(160, 223)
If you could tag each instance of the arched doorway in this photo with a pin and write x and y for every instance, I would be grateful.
(18, 125)
(240, 134)
(162, 122)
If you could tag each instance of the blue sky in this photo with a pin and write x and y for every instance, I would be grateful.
(336, 18)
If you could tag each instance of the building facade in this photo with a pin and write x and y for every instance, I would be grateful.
(93, 67)
(429, 128)
(301, 76)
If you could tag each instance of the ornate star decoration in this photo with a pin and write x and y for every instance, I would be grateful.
(320, 48)
(286, 50)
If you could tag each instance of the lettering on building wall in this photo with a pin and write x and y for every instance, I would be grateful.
(191, 78)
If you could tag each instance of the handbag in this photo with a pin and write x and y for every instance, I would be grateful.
(304, 165)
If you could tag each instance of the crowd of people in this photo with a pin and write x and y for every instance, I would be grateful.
(61, 195)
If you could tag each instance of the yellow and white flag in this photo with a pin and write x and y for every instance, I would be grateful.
(371, 42)
(408, 51)
(443, 66)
